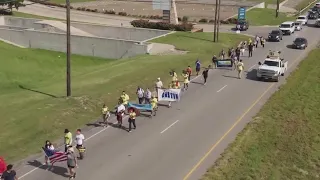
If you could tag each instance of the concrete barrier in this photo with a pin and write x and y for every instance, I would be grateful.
(88, 46)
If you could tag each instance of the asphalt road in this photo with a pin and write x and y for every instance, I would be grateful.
(183, 141)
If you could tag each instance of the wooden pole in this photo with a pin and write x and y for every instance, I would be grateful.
(215, 22)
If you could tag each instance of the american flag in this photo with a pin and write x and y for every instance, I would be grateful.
(55, 156)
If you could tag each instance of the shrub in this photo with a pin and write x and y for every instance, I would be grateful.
(109, 12)
(122, 13)
(161, 25)
(185, 19)
(5, 12)
(211, 21)
(83, 8)
(179, 19)
(71, 7)
(95, 10)
(88, 10)
(203, 20)
(79, 8)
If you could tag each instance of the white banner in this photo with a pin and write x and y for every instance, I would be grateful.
(169, 94)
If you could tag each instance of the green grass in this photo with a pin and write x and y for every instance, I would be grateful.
(29, 117)
(267, 1)
(303, 4)
(259, 17)
(25, 15)
(282, 141)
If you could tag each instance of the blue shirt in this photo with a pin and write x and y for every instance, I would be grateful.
(198, 64)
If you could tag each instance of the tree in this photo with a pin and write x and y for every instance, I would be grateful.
(12, 3)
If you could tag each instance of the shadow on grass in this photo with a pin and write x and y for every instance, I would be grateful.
(40, 92)
(61, 171)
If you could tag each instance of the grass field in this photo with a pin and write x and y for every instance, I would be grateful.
(282, 142)
(25, 15)
(259, 17)
(33, 108)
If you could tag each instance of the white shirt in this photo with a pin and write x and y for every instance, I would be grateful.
(159, 84)
(140, 93)
(79, 139)
(121, 108)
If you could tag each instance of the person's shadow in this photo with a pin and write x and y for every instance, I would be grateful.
(55, 169)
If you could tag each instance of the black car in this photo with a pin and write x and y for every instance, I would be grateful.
(275, 35)
(315, 9)
(300, 43)
(242, 25)
(313, 15)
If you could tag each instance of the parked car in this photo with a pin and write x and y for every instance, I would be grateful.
(298, 26)
(313, 15)
(317, 24)
(287, 27)
(300, 43)
(242, 25)
(303, 19)
(275, 35)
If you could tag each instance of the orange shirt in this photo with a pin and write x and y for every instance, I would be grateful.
(189, 70)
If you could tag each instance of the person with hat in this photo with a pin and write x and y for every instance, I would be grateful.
(158, 85)
(132, 119)
(67, 139)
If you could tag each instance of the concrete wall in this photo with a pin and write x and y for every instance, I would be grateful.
(22, 22)
(135, 34)
(88, 46)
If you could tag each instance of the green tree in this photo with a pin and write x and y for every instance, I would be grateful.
(12, 3)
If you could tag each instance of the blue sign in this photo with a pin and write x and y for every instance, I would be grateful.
(146, 107)
(241, 13)
(224, 63)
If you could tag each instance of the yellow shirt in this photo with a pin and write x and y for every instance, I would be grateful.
(105, 110)
(174, 76)
(154, 102)
(68, 138)
(186, 80)
(240, 66)
(125, 98)
(132, 115)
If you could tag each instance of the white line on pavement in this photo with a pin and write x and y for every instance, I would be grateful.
(169, 126)
(222, 88)
(251, 67)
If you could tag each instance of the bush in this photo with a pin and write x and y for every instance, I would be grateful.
(122, 14)
(5, 12)
(229, 21)
(83, 9)
(203, 20)
(211, 21)
(185, 19)
(88, 10)
(109, 12)
(161, 25)
(179, 19)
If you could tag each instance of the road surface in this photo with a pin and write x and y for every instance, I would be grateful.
(183, 141)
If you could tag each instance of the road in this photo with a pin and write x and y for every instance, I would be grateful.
(183, 141)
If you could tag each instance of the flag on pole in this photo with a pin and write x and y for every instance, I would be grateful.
(55, 156)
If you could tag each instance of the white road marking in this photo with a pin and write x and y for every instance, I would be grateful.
(222, 88)
(169, 127)
(251, 67)
(97, 133)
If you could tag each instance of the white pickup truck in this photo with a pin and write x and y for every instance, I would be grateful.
(272, 68)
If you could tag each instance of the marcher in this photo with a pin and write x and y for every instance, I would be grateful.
(185, 81)
(67, 139)
(234, 62)
(214, 61)
(120, 113)
(79, 141)
(205, 75)
(250, 41)
(132, 119)
(174, 75)
(124, 98)
(240, 67)
(154, 105)
(230, 52)
(257, 41)
(9, 174)
(105, 115)
(72, 162)
(222, 54)
(48, 146)
(198, 66)
(159, 85)
(263, 41)
(239, 51)
(147, 96)
(250, 49)
(140, 94)
(189, 71)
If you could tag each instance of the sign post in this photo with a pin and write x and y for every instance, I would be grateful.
(241, 13)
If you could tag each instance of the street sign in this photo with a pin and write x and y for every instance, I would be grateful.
(241, 13)
(166, 16)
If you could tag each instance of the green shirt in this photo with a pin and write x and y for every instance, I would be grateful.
(68, 138)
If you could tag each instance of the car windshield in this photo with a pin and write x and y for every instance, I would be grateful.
(301, 17)
(275, 32)
(285, 26)
(299, 40)
(271, 63)
(297, 24)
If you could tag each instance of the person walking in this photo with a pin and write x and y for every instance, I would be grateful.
(154, 106)
(205, 75)
(222, 54)
(257, 39)
(140, 94)
(132, 119)
(214, 61)
(262, 41)
(159, 85)
(250, 49)
(239, 51)
(174, 75)
(105, 115)
(198, 66)
(79, 141)
(240, 67)
(147, 96)
(185, 81)
(189, 71)
(124, 98)
(72, 162)
(67, 139)
(9, 174)
(50, 147)
(120, 113)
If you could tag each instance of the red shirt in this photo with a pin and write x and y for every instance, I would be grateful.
(189, 70)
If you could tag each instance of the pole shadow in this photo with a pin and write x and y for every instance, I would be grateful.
(40, 92)
(61, 171)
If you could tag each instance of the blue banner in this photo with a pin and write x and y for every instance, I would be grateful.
(241, 13)
(224, 63)
(146, 107)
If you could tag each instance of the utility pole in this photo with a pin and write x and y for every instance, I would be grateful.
(215, 23)
(277, 9)
(68, 50)
(218, 26)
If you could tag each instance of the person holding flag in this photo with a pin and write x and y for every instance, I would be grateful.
(55, 156)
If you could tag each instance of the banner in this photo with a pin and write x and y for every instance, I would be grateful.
(146, 107)
(224, 63)
(169, 94)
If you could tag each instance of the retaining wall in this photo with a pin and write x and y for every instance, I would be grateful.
(88, 46)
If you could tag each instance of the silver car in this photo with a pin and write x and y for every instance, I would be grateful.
(298, 26)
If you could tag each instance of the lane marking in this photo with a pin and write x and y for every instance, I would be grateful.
(169, 127)
(251, 67)
(222, 88)
(242, 116)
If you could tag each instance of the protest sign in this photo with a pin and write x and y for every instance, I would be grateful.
(169, 94)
